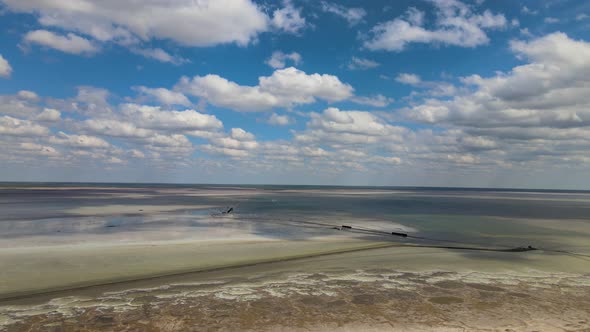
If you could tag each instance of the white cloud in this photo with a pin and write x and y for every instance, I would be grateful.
(288, 18)
(223, 93)
(165, 96)
(352, 15)
(386, 160)
(278, 59)
(17, 127)
(280, 120)
(407, 78)
(69, 43)
(158, 130)
(581, 17)
(335, 120)
(542, 102)
(241, 135)
(238, 143)
(284, 88)
(376, 100)
(115, 160)
(190, 23)
(360, 63)
(456, 25)
(137, 154)
(178, 141)
(79, 141)
(551, 20)
(49, 115)
(160, 55)
(17, 106)
(153, 117)
(528, 11)
(525, 32)
(93, 96)
(28, 95)
(5, 68)
(115, 128)
(434, 88)
(298, 87)
(40, 150)
(341, 128)
(236, 153)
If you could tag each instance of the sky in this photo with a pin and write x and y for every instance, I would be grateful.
(406, 93)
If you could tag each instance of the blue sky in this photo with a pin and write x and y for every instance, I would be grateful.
(434, 92)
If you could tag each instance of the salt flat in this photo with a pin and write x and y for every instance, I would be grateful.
(71, 252)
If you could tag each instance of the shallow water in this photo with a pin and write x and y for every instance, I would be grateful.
(123, 249)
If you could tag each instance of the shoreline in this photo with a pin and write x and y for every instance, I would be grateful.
(19, 295)
(328, 299)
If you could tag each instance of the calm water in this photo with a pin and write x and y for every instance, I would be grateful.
(490, 217)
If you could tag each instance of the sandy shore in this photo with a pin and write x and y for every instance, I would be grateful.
(34, 270)
(283, 297)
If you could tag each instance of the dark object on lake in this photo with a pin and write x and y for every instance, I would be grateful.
(370, 230)
(223, 211)
(111, 226)
(399, 234)
(519, 249)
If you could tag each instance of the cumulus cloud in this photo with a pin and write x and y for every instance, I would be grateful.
(376, 100)
(153, 117)
(280, 120)
(545, 99)
(536, 112)
(39, 150)
(160, 55)
(154, 128)
(551, 20)
(18, 127)
(288, 18)
(49, 115)
(278, 59)
(352, 15)
(434, 88)
(69, 43)
(134, 153)
(337, 127)
(456, 25)
(284, 88)
(93, 95)
(528, 11)
(237, 144)
(360, 63)
(165, 96)
(155, 133)
(190, 23)
(161, 142)
(410, 79)
(5, 68)
(115, 128)
(18, 106)
(79, 141)
(27, 95)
